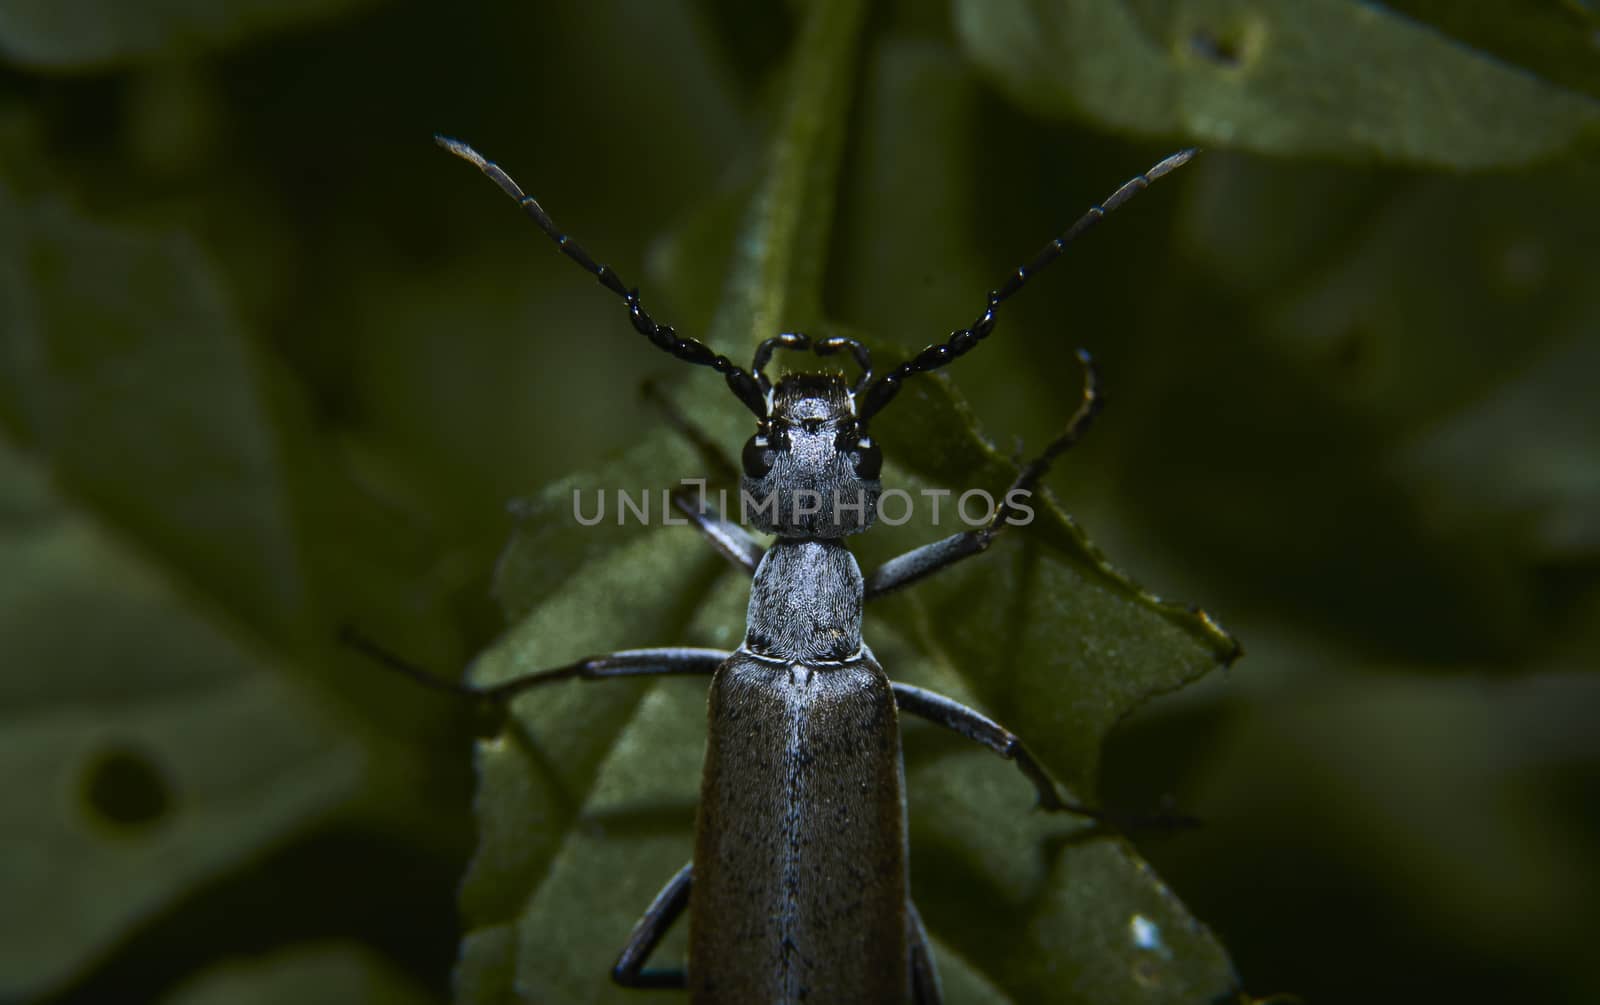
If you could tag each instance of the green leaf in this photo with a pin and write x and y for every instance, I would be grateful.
(1558, 40)
(80, 34)
(97, 318)
(319, 974)
(125, 365)
(586, 798)
(1426, 330)
(1335, 78)
(142, 757)
(1461, 795)
(165, 599)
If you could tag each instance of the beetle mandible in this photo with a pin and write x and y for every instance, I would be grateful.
(798, 887)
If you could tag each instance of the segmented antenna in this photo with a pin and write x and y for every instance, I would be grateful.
(962, 340)
(742, 382)
(800, 342)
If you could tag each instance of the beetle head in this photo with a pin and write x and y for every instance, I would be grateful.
(810, 470)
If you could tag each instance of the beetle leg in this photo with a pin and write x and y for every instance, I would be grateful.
(903, 570)
(717, 463)
(925, 988)
(675, 660)
(732, 541)
(647, 933)
(974, 725)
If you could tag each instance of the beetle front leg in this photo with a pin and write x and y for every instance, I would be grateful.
(903, 570)
(732, 541)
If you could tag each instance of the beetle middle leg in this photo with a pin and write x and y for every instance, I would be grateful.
(974, 725)
(647, 934)
(671, 660)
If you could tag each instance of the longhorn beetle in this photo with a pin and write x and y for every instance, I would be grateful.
(798, 886)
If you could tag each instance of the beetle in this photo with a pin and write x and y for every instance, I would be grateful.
(798, 887)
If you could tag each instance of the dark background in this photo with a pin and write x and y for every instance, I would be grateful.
(271, 361)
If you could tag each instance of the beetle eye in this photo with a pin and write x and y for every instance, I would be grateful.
(869, 459)
(756, 452)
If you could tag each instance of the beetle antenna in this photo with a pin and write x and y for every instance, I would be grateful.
(962, 340)
(742, 382)
(863, 358)
(827, 347)
(798, 341)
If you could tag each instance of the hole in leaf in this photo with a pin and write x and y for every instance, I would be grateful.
(1214, 48)
(1230, 49)
(125, 788)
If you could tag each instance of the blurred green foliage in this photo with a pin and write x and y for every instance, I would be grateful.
(270, 362)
